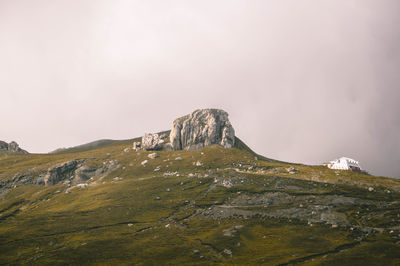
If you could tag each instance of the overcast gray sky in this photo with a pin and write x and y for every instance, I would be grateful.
(303, 81)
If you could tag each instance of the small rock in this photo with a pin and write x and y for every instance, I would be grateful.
(334, 225)
(178, 159)
(196, 251)
(130, 225)
(167, 225)
(158, 198)
(117, 178)
(198, 163)
(227, 183)
(153, 155)
(228, 252)
(144, 162)
(291, 170)
(370, 189)
(127, 149)
(168, 189)
(137, 145)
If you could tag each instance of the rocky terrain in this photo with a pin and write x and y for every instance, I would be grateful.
(205, 199)
(11, 147)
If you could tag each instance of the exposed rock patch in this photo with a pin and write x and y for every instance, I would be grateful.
(60, 172)
(70, 173)
(202, 128)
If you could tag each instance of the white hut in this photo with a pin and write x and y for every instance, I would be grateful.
(344, 163)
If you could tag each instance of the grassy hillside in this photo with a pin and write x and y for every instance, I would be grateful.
(212, 206)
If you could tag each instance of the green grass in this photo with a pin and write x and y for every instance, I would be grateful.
(124, 222)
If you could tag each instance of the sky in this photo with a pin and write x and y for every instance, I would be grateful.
(303, 81)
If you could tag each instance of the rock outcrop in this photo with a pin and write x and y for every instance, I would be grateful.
(151, 142)
(60, 172)
(76, 171)
(202, 128)
(11, 147)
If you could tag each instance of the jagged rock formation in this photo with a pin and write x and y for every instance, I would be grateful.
(70, 173)
(151, 142)
(11, 147)
(202, 128)
(75, 172)
(60, 172)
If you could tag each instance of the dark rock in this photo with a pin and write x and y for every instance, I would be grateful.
(60, 172)
(11, 147)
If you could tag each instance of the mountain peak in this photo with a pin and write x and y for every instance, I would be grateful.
(11, 147)
(202, 128)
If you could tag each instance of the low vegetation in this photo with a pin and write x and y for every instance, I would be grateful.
(211, 206)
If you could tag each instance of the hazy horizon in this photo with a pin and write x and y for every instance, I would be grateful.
(302, 81)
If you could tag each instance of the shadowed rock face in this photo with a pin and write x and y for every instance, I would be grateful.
(202, 128)
(75, 172)
(60, 172)
(11, 147)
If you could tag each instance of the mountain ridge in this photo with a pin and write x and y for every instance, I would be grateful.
(107, 203)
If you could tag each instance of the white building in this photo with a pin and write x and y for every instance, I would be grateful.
(344, 163)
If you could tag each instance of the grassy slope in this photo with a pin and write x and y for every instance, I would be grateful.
(122, 221)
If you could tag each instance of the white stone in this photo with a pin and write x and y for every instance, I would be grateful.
(153, 155)
(151, 142)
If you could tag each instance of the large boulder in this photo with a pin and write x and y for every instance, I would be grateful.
(202, 128)
(152, 142)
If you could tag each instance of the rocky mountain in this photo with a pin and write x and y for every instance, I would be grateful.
(11, 147)
(193, 195)
(202, 128)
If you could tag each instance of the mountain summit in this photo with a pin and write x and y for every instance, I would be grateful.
(202, 128)
(11, 147)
